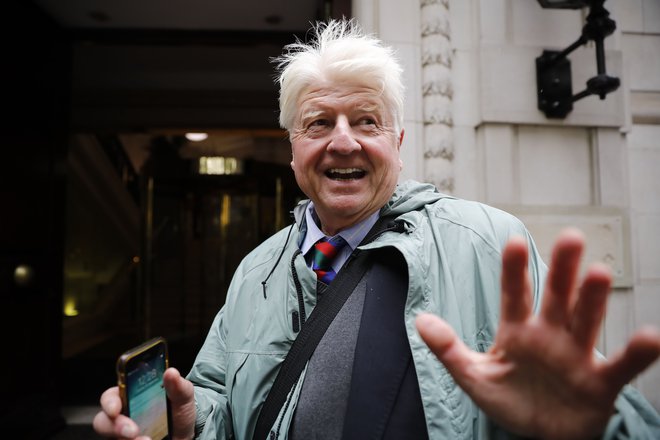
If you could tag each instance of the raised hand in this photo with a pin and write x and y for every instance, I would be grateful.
(541, 377)
(109, 422)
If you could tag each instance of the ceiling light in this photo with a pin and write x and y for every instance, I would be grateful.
(196, 137)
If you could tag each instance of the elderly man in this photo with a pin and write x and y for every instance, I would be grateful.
(502, 361)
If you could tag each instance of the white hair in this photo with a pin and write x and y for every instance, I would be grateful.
(339, 52)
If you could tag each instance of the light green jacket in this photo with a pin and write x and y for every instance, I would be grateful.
(453, 251)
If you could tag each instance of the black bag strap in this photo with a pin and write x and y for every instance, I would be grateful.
(315, 327)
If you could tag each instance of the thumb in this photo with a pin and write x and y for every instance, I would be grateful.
(181, 393)
(448, 348)
(179, 390)
(435, 332)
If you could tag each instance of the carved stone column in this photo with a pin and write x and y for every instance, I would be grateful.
(437, 94)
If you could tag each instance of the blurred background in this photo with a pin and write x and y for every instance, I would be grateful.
(118, 224)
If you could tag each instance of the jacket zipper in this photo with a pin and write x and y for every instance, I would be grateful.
(299, 292)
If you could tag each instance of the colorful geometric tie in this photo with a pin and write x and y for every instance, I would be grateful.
(324, 252)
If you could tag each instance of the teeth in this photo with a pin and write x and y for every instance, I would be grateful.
(345, 173)
(344, 170)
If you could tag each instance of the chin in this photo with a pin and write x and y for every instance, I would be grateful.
(344, 202)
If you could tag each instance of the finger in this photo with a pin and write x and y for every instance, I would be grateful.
(179, 390)
(516, 290)
(111, 402)
(558, 296)
(642, 350)
(448, 348)
(120, 426)
(590, 306)
(182, 396)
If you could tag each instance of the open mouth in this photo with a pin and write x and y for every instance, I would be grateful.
(345, 173)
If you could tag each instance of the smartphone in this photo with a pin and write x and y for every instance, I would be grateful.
(140, 379)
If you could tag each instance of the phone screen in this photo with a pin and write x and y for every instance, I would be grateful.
(146, 400)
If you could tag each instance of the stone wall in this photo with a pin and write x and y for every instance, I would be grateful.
(473, 129)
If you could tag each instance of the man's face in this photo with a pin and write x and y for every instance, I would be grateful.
(345, 153)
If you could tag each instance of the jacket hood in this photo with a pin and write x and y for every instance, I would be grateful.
(411, 196)
(408, 196)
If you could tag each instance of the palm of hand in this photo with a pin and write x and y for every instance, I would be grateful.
(534, 381)
(541, 377)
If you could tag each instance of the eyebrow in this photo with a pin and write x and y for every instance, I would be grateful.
(368, 107)
(312, 113)
(361, 106)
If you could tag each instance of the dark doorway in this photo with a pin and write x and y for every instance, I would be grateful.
(150, 250)
(114, 227)
(36, 81)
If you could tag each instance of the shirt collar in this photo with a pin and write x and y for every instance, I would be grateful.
(353, 235)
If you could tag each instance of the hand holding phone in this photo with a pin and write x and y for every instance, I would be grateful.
(140, 381)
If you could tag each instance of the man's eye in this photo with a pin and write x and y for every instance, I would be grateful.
(319, 123)
(367, 121)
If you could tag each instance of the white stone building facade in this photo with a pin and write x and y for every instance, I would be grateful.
(473, 128)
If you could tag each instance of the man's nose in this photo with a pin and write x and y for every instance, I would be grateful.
(343, 139)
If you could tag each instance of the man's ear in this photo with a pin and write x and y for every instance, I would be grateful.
(401, 142)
